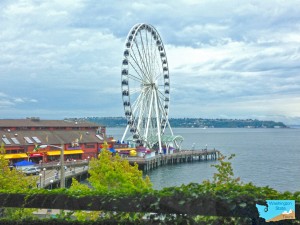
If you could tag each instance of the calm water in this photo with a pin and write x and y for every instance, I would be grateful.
(265, 157)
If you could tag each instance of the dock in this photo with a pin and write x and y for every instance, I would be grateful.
(182, 156)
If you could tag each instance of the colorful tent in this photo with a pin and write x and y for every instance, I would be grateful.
(24, 163)
(112, 150)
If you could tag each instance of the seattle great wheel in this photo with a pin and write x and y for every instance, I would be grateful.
(145, 86)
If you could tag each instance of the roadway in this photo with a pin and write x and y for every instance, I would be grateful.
(50, 172)
(48, 177)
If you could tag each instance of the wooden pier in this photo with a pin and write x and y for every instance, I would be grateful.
(50, 180)
(80, 169)
(182, 156)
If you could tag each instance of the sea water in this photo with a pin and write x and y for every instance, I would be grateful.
(265, 157)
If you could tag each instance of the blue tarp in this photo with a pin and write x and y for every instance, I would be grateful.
(24, 163)
(112, 150)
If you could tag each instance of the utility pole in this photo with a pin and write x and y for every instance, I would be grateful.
(62, 163)
(62, 167)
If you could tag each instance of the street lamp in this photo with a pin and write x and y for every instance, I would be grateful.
(74, 165)
(62, 169)
(51, 182)
(40, 180)
(44, 170)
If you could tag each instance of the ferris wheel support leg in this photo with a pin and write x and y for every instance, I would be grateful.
(157, 123)
(149, 115)
(170, 127)
(140, 102)
(127, 127)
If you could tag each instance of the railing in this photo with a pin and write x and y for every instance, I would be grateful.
(53, 177)
(141, 159)
(56, 164)
(175, 204)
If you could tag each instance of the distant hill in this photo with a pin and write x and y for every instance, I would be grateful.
(191, 122)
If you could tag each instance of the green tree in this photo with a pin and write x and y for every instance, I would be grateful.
(110, 172)
(104, 146)
(2, 149)
(15, 181)
(225, 174)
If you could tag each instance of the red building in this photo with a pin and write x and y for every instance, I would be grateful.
(22, 138)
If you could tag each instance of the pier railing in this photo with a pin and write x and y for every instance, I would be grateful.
(182, 156)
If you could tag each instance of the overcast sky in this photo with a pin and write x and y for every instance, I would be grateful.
(227, 59)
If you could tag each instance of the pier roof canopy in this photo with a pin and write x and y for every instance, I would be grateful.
(171, 138)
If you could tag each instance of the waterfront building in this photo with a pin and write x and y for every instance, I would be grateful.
(21, 139)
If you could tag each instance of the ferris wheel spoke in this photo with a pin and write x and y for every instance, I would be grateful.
(137, 71)
(135, 118)
(152, 123)
(134, 91)
(157, 121)
(144, 110)
(148, 56)
(153, 57)
(138, 114)
(158, 70)
(147, 53)
(135, 78)
(160, 104)
(161, 94)
(142, 62)
(139, 99)
(144, 55)
(149, 116)
(158, 76)
(137, 68)
(162, 107)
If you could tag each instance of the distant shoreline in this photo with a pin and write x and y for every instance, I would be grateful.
(294, 126)
(288, 127)
(191, 122)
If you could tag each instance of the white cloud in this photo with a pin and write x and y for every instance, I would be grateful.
(239, 58)
(24, 100)
(5, 102)
(19, 100)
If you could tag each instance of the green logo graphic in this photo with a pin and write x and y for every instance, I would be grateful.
(277, 210)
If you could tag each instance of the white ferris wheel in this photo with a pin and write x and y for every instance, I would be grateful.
(145, 86)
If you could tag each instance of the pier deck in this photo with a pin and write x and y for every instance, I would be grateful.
(182, 156)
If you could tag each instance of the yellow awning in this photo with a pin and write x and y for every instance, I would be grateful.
(69, 152)
(53, 153)
(66, 152)
(15, 156)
